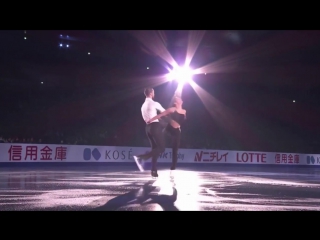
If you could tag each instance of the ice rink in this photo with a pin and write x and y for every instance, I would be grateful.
(121, 187)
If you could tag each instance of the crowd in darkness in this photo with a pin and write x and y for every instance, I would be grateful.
(82, 99)
(103, 134)
(71, 117)
(107, 132)
(47, 119)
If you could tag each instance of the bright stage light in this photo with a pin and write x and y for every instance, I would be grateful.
(181, 74)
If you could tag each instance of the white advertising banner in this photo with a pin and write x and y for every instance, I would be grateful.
(14, 152)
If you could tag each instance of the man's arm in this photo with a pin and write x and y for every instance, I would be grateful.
(164, 113)
(159, 107)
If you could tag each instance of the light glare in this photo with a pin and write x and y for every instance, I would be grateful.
(181, 74)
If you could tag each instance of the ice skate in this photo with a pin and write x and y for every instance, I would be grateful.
(154, 174)
(172, 173)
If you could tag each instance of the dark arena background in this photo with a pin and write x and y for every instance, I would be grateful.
(72, 120)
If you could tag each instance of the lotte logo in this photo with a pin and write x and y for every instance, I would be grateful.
(87, 153)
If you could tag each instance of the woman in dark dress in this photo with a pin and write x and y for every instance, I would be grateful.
(177, 115)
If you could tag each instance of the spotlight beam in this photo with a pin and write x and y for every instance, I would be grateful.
(195, 37)
(280, 44)
(154, 42)
(226, 117)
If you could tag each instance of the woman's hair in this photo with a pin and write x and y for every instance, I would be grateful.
(173, 100)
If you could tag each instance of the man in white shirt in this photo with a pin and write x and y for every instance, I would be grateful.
(153, 130)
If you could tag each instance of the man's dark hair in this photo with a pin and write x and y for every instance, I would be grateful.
(147, 91)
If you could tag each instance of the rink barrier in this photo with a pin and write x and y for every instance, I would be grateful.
(52, 153)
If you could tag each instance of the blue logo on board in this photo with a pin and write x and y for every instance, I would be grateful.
(87, 154)
(310, 160)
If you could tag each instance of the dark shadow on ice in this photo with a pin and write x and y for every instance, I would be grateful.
(142, 196)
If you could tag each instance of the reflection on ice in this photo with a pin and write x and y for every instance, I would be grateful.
(132, 190)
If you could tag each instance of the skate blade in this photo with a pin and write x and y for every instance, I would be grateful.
(138, 164)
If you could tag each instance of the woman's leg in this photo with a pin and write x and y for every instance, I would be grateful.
(175, 147)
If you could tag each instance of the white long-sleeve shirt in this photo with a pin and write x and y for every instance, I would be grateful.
(149, 109)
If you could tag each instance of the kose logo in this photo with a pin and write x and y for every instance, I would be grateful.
(87, 153)
(311, 160)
